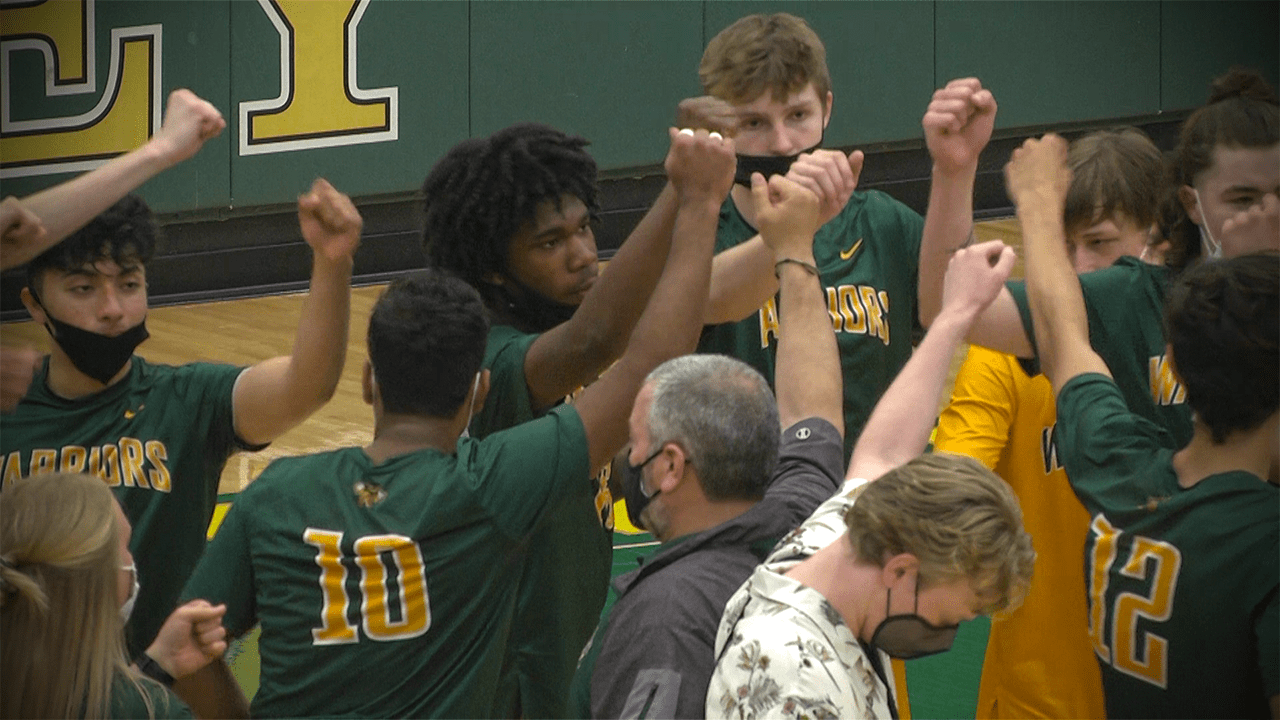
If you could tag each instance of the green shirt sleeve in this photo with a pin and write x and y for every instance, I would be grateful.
(508, 402)
(1267, 629)
(524, 471)
(1102, 446)
(225, 572)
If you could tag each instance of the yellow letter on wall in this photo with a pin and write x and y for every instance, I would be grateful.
(320, 104)
(126, 114)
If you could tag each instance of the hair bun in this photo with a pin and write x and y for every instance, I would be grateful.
(1243, 83)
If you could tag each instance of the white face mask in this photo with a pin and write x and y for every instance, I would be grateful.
(475, 388)
(127, 608)
(1212, 248)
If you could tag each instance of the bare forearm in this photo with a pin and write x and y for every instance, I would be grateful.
(320, 345)
(948, 224)
(807, 376)
(69, 206)
(741, 281)
(899, 427)
(668, 327)
(212, 692)
(1053, 290)
(613, 308)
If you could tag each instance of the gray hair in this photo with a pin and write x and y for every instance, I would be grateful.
(723, 414)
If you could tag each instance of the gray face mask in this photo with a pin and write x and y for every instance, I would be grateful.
(127, 608)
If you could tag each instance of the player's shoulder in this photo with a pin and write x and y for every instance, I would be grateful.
(297, 476)
(1128, 276)
(186, 377)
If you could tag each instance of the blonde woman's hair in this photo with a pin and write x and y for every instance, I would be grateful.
(956, 517)
(63, 642)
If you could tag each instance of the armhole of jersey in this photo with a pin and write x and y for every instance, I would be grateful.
(235, 434)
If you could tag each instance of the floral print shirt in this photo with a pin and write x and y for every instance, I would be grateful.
(783, 651)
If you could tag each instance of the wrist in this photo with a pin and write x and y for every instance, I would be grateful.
(800, 263)
(963, 172)
(699, 202)
(153, 669)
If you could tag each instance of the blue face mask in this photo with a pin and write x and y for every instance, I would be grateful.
(632, 482)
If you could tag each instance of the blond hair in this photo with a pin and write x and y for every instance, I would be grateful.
(779, 54)
(956, 517)
(63, 642)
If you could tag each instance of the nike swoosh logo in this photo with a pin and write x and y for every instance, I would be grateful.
(129, 414)
(846, 254)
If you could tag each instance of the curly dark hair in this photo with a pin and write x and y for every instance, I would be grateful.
(426, 341)
(480, 193)
(124, 233)
(1222, 320)
(1242, 113)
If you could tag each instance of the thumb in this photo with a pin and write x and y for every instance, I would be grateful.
(760, 190)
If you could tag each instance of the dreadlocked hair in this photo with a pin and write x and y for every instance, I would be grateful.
(484, 189)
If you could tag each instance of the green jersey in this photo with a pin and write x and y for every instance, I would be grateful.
(387, 590)
(1125, 306)
(868, 257)
(159, 438)
(127, 701)
(1183, 583)
(565, 580)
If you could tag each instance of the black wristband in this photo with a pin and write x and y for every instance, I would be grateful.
(149, 667)
(777, 267)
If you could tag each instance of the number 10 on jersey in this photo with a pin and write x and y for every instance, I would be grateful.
(377, 597)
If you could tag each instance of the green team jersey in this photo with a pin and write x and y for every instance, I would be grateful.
(127, 701)
(1125, 306)
(159, 438)
(387, 590)
(868, 257)
(565, 580)
(1183, 583)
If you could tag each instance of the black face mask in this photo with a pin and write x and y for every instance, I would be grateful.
(98, 356)
(908, 637)
(531, 311)
(631, 478)
(766, 165)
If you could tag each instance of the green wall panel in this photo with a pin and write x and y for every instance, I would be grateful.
(193, 54)
(612, 72)
(419, 48)
(880, 55)
(1055, 62)
(1201, 40)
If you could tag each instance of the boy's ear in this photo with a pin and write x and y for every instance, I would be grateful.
(33, 306)
(1187, 196)
(826, 114)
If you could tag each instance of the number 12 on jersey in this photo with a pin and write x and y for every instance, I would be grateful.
(376, 594)
(1152, 560)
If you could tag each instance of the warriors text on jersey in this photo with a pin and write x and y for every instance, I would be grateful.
(868, 257)
(159, 438)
